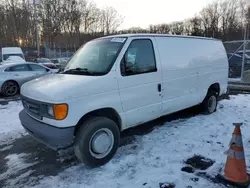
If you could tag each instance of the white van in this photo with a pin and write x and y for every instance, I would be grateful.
(12, 55)
(117, 82)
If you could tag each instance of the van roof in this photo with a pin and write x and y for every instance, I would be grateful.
(158, 35)
(11, 50)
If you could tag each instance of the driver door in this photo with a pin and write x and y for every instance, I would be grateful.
(140, 82)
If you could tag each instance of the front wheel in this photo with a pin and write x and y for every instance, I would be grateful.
(97, 141)
(210, 103)
(10, 89)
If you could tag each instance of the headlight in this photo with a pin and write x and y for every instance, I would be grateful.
(51, 110)
(58, 111)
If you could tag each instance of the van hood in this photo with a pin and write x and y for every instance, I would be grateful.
(62, 87)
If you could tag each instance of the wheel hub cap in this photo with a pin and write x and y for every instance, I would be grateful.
(212, 104)
(11, 89)
(101, 142)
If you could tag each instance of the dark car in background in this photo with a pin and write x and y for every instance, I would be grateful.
(46, 62)
(235, 65)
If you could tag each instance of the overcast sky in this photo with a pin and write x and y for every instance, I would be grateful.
(145, 12)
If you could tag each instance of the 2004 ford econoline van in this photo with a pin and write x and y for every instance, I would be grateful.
(117, 82)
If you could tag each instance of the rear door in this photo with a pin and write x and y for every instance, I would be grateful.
(139, 81)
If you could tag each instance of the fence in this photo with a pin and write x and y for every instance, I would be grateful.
(238, 54)
(59, 52)
(30, 53)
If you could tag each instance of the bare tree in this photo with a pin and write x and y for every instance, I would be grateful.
(194, 26)
(71, 20)
(177, 28)
(53, 17)
(111, 20)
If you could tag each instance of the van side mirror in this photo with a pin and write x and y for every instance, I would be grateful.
(127, 67)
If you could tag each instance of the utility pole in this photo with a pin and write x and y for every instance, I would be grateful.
(35, 2)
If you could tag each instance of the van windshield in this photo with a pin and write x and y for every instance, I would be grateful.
(95, 57)
(6, 56)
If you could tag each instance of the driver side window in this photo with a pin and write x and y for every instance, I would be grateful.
(139, 58)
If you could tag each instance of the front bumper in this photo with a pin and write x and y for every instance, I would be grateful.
(54, 137)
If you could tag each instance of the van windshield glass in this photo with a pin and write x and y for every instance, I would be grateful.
(6, 56)
(96, 57)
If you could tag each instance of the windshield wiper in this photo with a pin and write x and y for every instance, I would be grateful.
(80, 71)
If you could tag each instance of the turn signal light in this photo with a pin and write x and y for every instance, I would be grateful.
(60, 111)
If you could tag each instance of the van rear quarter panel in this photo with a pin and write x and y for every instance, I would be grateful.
(190, 66)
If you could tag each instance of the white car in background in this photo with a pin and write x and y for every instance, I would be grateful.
(14, 75)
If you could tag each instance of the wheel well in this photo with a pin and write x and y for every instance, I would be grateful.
(104, 112)
(215, 87)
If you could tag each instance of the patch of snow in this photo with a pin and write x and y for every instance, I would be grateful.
(6, 148)
(16, 163)
(14, 59)
(159, 156)
(10, 126)
(22, 179)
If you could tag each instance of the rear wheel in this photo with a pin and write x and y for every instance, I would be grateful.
(97, 141)
(210, 103)
(10, 88)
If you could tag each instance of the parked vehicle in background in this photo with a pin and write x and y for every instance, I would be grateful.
(117, 82)
(235, 65)
(14, 75)
(46, 62)
(12, 55)
(55, 61)
(60, 62)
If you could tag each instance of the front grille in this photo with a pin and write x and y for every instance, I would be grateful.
(32, 107)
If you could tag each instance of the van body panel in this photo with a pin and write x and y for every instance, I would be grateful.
(61, 87)
(190, 67)
(83, 94)
(10, 50)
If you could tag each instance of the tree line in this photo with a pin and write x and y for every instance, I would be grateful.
(58, 20)
(70, 23)
(223, 19)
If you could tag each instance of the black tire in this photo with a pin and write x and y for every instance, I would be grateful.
(206, 104)
(7, 92)
(83, 138)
